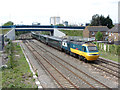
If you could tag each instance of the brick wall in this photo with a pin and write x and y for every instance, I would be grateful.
(85, 33)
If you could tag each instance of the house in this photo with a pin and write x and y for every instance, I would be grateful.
(90, 31)
(114, 34)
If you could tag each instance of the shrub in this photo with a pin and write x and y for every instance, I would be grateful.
(99, 35)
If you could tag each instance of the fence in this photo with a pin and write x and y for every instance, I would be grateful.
(113, 49)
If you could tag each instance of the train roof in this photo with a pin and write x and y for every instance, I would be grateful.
(83, 43)
(43, 35)
(89, 44)
(55, 38)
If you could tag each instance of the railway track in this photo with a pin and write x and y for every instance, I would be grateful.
(61, 80)
(108, 67)
(90, 81)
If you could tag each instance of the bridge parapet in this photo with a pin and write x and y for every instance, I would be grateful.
(53, 29)
(44, 26)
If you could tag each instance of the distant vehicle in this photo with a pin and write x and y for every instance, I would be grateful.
(83, 50)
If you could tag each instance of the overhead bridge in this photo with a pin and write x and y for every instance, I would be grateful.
(42, 27)
(53, 29)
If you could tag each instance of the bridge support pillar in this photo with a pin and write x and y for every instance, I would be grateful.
(51, 33)
(10, 34)
(58, 33)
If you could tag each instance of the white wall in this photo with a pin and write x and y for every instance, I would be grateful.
(58, 33)
(10, 34)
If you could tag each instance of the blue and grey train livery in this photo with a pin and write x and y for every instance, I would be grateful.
(84, 50)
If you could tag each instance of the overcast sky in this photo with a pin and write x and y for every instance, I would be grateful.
(73, 11)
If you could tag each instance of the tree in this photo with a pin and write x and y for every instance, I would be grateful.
(8, 23)
(108, 22)
(99, 36)
(59, 25)
(95, 20)
(101, 21)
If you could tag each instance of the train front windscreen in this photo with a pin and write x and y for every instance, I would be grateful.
(92, 49)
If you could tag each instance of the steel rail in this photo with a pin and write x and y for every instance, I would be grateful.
(106, 70)
(71, 71)
(53, 67)
(74, 67)
(109, 62)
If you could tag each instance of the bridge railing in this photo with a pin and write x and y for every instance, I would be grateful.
(43, 26)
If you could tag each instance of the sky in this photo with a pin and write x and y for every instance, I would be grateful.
(73, 11)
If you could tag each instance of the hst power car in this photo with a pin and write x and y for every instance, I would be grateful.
(84, 50)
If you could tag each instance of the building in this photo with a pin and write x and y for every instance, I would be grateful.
(54, 20)
(65, 23)
(35, 23)
(114, 34)
(90, 31)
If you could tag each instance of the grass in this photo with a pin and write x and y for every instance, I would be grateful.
(45, 32)
(4, 31)
(0, 31)
(0, 74)
(0, 79)
(73, 32)
(109, 56)
(20, 76)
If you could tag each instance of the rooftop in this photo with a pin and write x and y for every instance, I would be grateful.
(116, 28)
(97, 28)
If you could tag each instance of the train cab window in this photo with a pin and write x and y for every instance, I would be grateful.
(84, 48)
(92, 48)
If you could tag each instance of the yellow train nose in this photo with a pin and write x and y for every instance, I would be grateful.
(93, 57)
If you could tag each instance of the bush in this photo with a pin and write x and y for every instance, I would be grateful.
(113, 49)
(99, 35)
(10, 51)
(117, 50)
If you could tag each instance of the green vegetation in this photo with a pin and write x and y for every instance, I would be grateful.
(45, 32)
(0, 74)
(59, 25)
(18, 33)
(17, 74)
(0, 31)
(101, 21)
(112, 52)
(0, 79)
(108, 55)
(99, 36)
(73, 32)
(8, 23)
(4, 31)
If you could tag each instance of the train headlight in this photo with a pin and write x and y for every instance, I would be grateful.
(90, 55)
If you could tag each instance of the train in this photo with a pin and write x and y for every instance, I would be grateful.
(86, 51)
